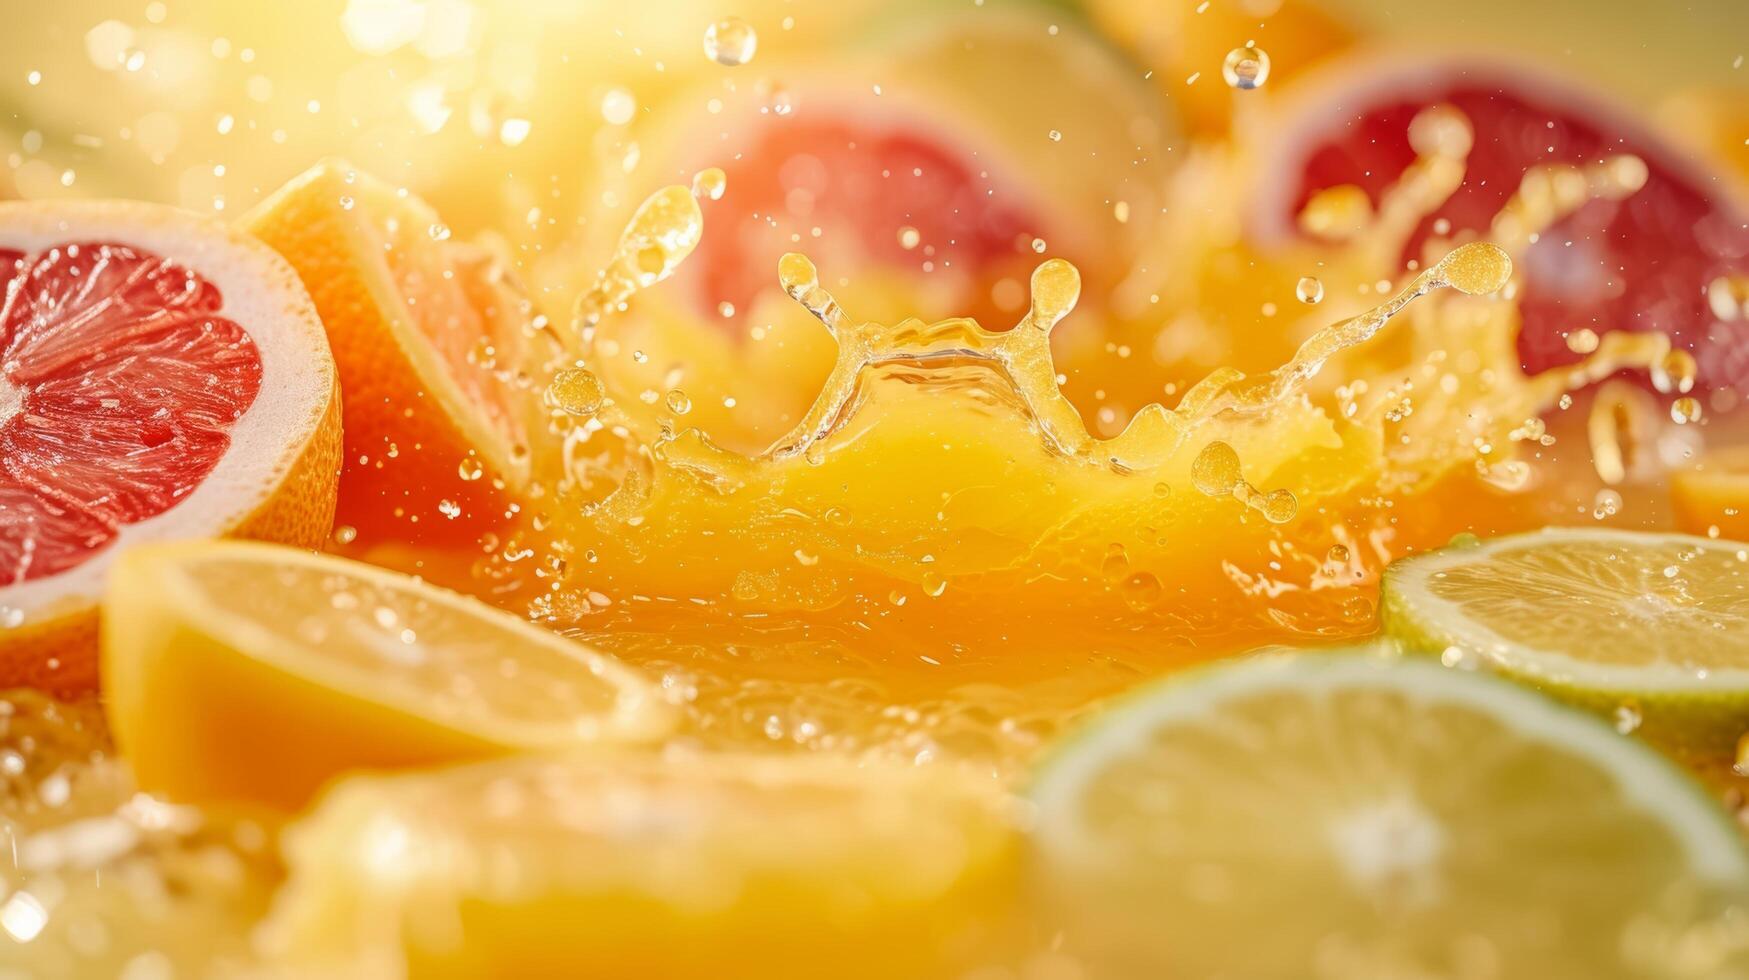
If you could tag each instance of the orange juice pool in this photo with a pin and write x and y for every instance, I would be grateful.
(1026, 491)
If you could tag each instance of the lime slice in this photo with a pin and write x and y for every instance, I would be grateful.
(1651, 630)
(1349, 815)
(255, 673)
(615, 864)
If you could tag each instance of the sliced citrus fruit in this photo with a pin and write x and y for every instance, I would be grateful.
(1712, 498)
(1652, 629)
(1639, 262)
(429, 337)
(255, 673)
(161, 376)
(613, 865)
(1386, 817)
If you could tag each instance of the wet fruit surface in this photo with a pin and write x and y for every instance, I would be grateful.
(119, 383)
(1643, 263)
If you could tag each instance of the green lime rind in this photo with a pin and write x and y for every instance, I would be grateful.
(1692, 717)
(1716, 850)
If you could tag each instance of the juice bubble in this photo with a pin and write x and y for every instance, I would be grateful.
(1684, 410)
(1309, 290)
(1246, 68)
(1215, 471)
(730, 41)
(1141, 590)
(470, 468)
(576, 391)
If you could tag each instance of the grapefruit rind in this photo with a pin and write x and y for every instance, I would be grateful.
(267, 484)
(1695, 714)
(408, 424)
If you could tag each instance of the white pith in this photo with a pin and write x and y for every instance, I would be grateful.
(263, 295)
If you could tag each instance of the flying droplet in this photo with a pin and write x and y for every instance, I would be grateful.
(730, 41)
(1478, 268)
(1215, 471)
(708, 184)
(1675, 372)
(471, 468)
(1582, 341)
(1685, 410)
(576, 391)
(1309, 290)
(618, 106)
(1246, 68)
(1056, 135)
(678, 402)
(909, 238)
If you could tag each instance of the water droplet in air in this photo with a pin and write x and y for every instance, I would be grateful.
(730, 41)
(1310, 291)
(1039, 246)
(576, 391)
(1684, 410)
(678, 402)
(471, 468)
(1246, 68)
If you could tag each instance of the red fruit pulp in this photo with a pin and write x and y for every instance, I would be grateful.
(1641, 264)
(861, 185)
(119, 384)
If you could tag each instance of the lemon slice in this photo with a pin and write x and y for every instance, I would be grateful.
(1649, 629)
(241, 671)
(1349, 815)
(639, 865)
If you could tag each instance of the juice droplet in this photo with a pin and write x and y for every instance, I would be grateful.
(801, 281)
(1309, 290)
(1140, 591)
(1675, 372)
(708, 184)
(1477, 268)
(470, 469)
(1582, 341)
(1728, 296)
(1441, 131)
(576, 391)
(1039, 246)
(1215, 471)
(1685, 410)
(1607, 503)
(1338, 554)
(730, 41)
(1056, 288)
(662, 232)
(909, 238)
(1056, 135)
(678, 402)
(1246, 68)
(1279, 506)
(934, 584)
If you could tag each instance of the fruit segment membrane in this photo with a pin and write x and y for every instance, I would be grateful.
(119, 381)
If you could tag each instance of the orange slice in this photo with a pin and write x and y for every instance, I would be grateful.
(1712, 499)
(161, 376)
(429, 337)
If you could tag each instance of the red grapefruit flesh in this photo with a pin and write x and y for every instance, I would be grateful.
(1640, 264)
(161, 376)
(127, 380)
(883, 192)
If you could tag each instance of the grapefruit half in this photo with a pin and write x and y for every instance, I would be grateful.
(1642, 263)
(161, 376)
